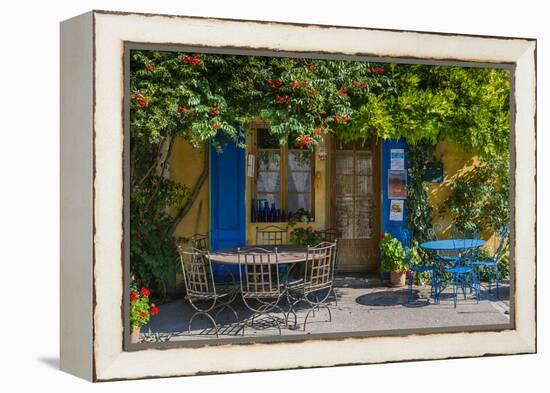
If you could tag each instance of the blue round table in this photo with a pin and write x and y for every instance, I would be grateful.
(456, 246)
(452, 245)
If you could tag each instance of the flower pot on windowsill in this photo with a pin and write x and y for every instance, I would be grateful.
(398, 279)
(134, 336)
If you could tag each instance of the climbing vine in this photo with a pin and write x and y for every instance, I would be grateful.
(201, 96)
(419, 211)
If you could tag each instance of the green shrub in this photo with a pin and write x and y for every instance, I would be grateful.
(392, 255)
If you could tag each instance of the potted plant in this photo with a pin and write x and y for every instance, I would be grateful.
(305, 236)
(393, 259)
(140, 311)
(303, 215)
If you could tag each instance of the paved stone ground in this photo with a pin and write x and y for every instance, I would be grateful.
(364, 304)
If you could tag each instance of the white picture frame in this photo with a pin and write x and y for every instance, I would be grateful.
(92, 193)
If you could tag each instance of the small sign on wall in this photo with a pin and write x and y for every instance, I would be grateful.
(397, 159)
(397, 207)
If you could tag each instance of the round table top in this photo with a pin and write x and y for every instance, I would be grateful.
(285, 253)
(447, 245)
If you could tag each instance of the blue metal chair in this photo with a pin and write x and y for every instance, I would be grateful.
(462, 273)
(450, 257)
(492, 264)
(406, 240)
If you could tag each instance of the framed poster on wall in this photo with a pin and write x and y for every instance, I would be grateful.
(397, 184)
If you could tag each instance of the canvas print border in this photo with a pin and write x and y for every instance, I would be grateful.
(112, 30)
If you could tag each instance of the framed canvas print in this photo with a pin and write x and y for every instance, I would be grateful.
(246, 195)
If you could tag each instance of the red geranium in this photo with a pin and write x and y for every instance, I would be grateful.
(142, 101)
(377, 70)
(214, 110)
(285, 100)
(194, 60)
(142, 314)
(217, 126)
(274, 84)
(341, 118)
(295, 85)
(309, 65)
(154, 310)
(304, 141)
(149, 67)
(145, 292)
(360, 85)
(134, 296)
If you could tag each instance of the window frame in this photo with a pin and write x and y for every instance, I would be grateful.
(283, 172)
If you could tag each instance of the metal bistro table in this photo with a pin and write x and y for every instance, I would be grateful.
(287, 254)
(448, 245)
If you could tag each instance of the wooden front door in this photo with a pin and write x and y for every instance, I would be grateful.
(355, 204)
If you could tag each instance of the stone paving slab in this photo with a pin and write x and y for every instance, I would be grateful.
(364, 305)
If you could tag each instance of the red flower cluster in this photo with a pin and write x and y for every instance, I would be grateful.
(142, 101)
(304, 141)
(195, 59)
(134, 296)
(214, 110)
(309, 65)
(318, 132)
(343, 92)
(142, 314)
(149, 67)
(145, 292)
(360, 85)
(217, 126)
(274, 84)
(341, 118)
(186, 111)
(154, 310)
(295, 85)
(285, 100)
(377, 70)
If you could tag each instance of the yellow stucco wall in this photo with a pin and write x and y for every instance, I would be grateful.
(186, 165)
(455, 163)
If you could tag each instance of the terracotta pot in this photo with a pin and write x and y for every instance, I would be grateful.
(134, 336)
(398, 279)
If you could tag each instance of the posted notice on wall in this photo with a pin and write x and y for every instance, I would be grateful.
(397, 159)
(396, 209)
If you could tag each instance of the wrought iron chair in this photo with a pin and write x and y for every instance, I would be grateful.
(492, 263)
(331, 235)
(435, 232)
(274, 235)
(271, 235)
(318, 277)
(199, 241)
(260, 287)
(201, 288)
(462, 273)
(406, 241)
